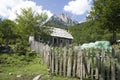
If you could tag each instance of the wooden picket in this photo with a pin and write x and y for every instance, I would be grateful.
(69, 68)
(67, 62)
(64, 61)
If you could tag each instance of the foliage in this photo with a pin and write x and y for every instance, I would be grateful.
(88, 32)
(30, 23)
(7, 28)
(51, 24)
(12, 65)
(15, 64)
(106, 14)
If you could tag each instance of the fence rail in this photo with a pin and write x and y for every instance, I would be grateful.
(70, 62)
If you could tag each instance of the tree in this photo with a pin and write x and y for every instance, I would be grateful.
(7, 28)
(30, 23)
(106, 13)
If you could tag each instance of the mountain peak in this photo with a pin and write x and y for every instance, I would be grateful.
(62, 19)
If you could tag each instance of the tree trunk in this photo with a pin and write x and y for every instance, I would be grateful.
(114, 37)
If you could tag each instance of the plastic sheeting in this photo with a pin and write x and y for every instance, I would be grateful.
(97, 45)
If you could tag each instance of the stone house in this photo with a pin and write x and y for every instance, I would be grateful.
(58, 37)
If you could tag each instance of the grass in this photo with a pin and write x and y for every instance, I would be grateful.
(13, 65)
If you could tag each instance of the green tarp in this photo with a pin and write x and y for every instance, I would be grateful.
(97, 45)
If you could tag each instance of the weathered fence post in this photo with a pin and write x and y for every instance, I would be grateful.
(50, 59)
(81, 76)
(85, 71)
(102, 76)
(118, 66)
(92, 64)
(43, 55)
(64, 62)
(37, 47)
(74, 64)
(88, 63)
(113, 65)
(56, 61)
(108, 67)
(97, 65)
(69, 63)
(53, 61)
(83, 64)
(61, 61)
(47, 55)
(79, 64)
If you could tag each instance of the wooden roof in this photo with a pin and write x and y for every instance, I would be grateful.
(57, 32)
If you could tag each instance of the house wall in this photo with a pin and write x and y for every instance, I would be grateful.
(57, 41)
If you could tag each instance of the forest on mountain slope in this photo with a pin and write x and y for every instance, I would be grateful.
(102, 23)
(89, 32)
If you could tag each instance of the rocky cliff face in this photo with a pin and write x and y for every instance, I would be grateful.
(62, 19)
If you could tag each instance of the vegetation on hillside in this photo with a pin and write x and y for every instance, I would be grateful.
(102, 23)
(106, 14)
(51, 24)
(89, 32)
(28, 23)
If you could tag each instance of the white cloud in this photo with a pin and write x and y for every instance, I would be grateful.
(78, 7)
(8, 8)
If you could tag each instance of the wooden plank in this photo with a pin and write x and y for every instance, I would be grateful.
(74, 63)
(113, 65)
(64, 61)
(39, 48)
(118, 78)
(92, 64)
(78, 63)
(88, 62)
(81, 69)
(69, 69)
(102, 76)
(36, 46)
(50, 58)
(108, 67)
(52, 61)
(46, 54)
(85, 71)
(61, 61)
(97, 66)
(43, 55)
(56, 61)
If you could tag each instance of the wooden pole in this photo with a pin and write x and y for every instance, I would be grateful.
(56, 61)
(64, 62)
(79, 63)
(102, 76)
(113, 65)
(118, 66)
(52, 61)
(74, 64)
(97, 65)
(61, 61)
(69, 63)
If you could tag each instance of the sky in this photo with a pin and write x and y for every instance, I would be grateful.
(76, 9)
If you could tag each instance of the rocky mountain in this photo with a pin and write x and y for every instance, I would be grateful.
(61, 20)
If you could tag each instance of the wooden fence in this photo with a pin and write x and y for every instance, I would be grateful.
(70, 62)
